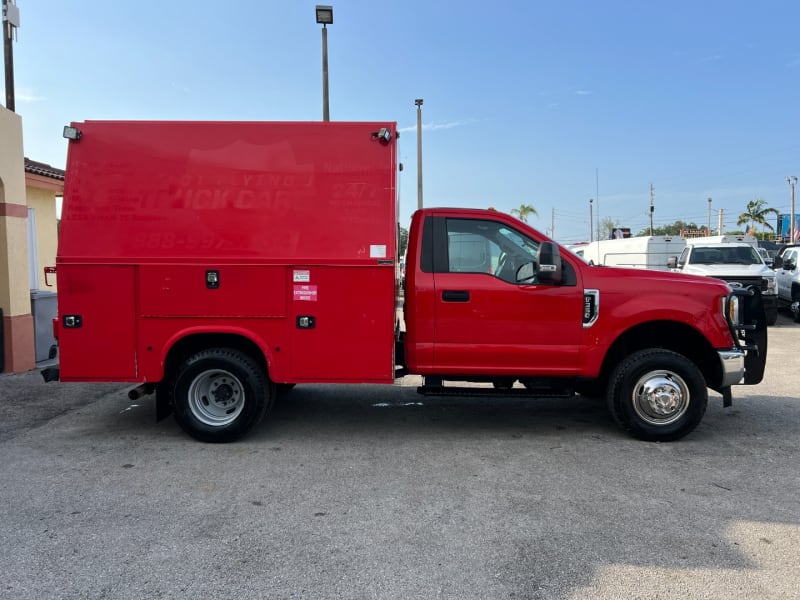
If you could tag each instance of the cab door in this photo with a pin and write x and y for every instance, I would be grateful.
(487, 322)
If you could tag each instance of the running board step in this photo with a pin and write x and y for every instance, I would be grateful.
(439, 390)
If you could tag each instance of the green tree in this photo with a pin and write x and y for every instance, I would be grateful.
(756, 214)
(523, 212)
(672, 229)
(402, 240)
(606, 228)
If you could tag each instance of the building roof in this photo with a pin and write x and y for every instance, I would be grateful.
(38, 168)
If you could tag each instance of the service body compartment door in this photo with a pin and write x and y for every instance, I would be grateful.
(343, 324)
(97, 325)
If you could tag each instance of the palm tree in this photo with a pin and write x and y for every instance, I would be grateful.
(523, 212)
(757, 213)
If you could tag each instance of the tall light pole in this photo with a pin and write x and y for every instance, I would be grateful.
(709, 216)
(591, 226)
(418, 104)
(325, 17)
(792, 181)
(10, 22)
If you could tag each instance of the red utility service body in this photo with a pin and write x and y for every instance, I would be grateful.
(296, 223)
(278, 242)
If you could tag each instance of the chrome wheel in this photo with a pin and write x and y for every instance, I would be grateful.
(216, 397)
(660, 397)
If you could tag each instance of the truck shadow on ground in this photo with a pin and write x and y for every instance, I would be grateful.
(365, 407)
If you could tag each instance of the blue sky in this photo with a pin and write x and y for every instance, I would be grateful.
(542, 103)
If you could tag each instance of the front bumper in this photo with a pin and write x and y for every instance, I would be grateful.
(732, 362)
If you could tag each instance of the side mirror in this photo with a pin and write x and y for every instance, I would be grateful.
(672, 262)
(777, 262)
(548, 263)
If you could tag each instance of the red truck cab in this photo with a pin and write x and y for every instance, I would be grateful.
(220, 263)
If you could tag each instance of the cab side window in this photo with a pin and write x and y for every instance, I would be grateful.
(480, 246)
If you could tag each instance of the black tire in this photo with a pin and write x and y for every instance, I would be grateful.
(675, 404)
(795, 299)
(772, 316)
(220, 394)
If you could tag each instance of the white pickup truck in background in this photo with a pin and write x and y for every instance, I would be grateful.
(734, 259)
(788, 278)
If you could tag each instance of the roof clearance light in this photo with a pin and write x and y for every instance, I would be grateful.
(72, 133)
(384, 135)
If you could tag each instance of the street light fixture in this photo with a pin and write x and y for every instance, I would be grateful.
(325, 18)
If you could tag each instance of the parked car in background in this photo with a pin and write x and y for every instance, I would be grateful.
(788, 278)
(765, 256)
(732, 260)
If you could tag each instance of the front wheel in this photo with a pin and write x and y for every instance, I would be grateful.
(657, 395)
(220, 394)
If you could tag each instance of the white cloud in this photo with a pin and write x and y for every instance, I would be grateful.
(27, 95)
(582, 92)
(435, 126)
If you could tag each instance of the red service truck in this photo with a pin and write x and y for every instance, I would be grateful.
(218, 264)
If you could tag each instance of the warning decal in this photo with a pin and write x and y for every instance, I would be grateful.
(305, 293)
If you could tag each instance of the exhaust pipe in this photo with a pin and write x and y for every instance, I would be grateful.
(141, 390)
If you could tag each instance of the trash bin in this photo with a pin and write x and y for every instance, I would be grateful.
(2, 344)
(44, 306)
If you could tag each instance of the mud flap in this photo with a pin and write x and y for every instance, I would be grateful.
(163, 402)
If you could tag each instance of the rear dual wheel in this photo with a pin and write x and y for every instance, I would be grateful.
(220, 394)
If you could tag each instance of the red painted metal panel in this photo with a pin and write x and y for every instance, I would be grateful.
(274, 192)
(171, 200)
(244, 291)
(103, 347)
(353, 323)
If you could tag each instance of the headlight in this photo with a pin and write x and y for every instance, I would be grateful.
(730, 308)
(770, 285)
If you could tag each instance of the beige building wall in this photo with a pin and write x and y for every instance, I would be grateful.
(44, 205)
(15, 301)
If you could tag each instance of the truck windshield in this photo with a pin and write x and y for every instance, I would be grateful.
(736, 255)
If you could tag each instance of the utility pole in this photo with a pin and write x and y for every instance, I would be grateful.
(597, 197)
(591, 225)
(325, 18)
(709, 217)
(418, 103)
(652, 208)
(10, 23)
(553, 224)
(792, 181)
(721, 230)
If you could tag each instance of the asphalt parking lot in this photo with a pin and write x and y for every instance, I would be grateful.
(377, 492)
